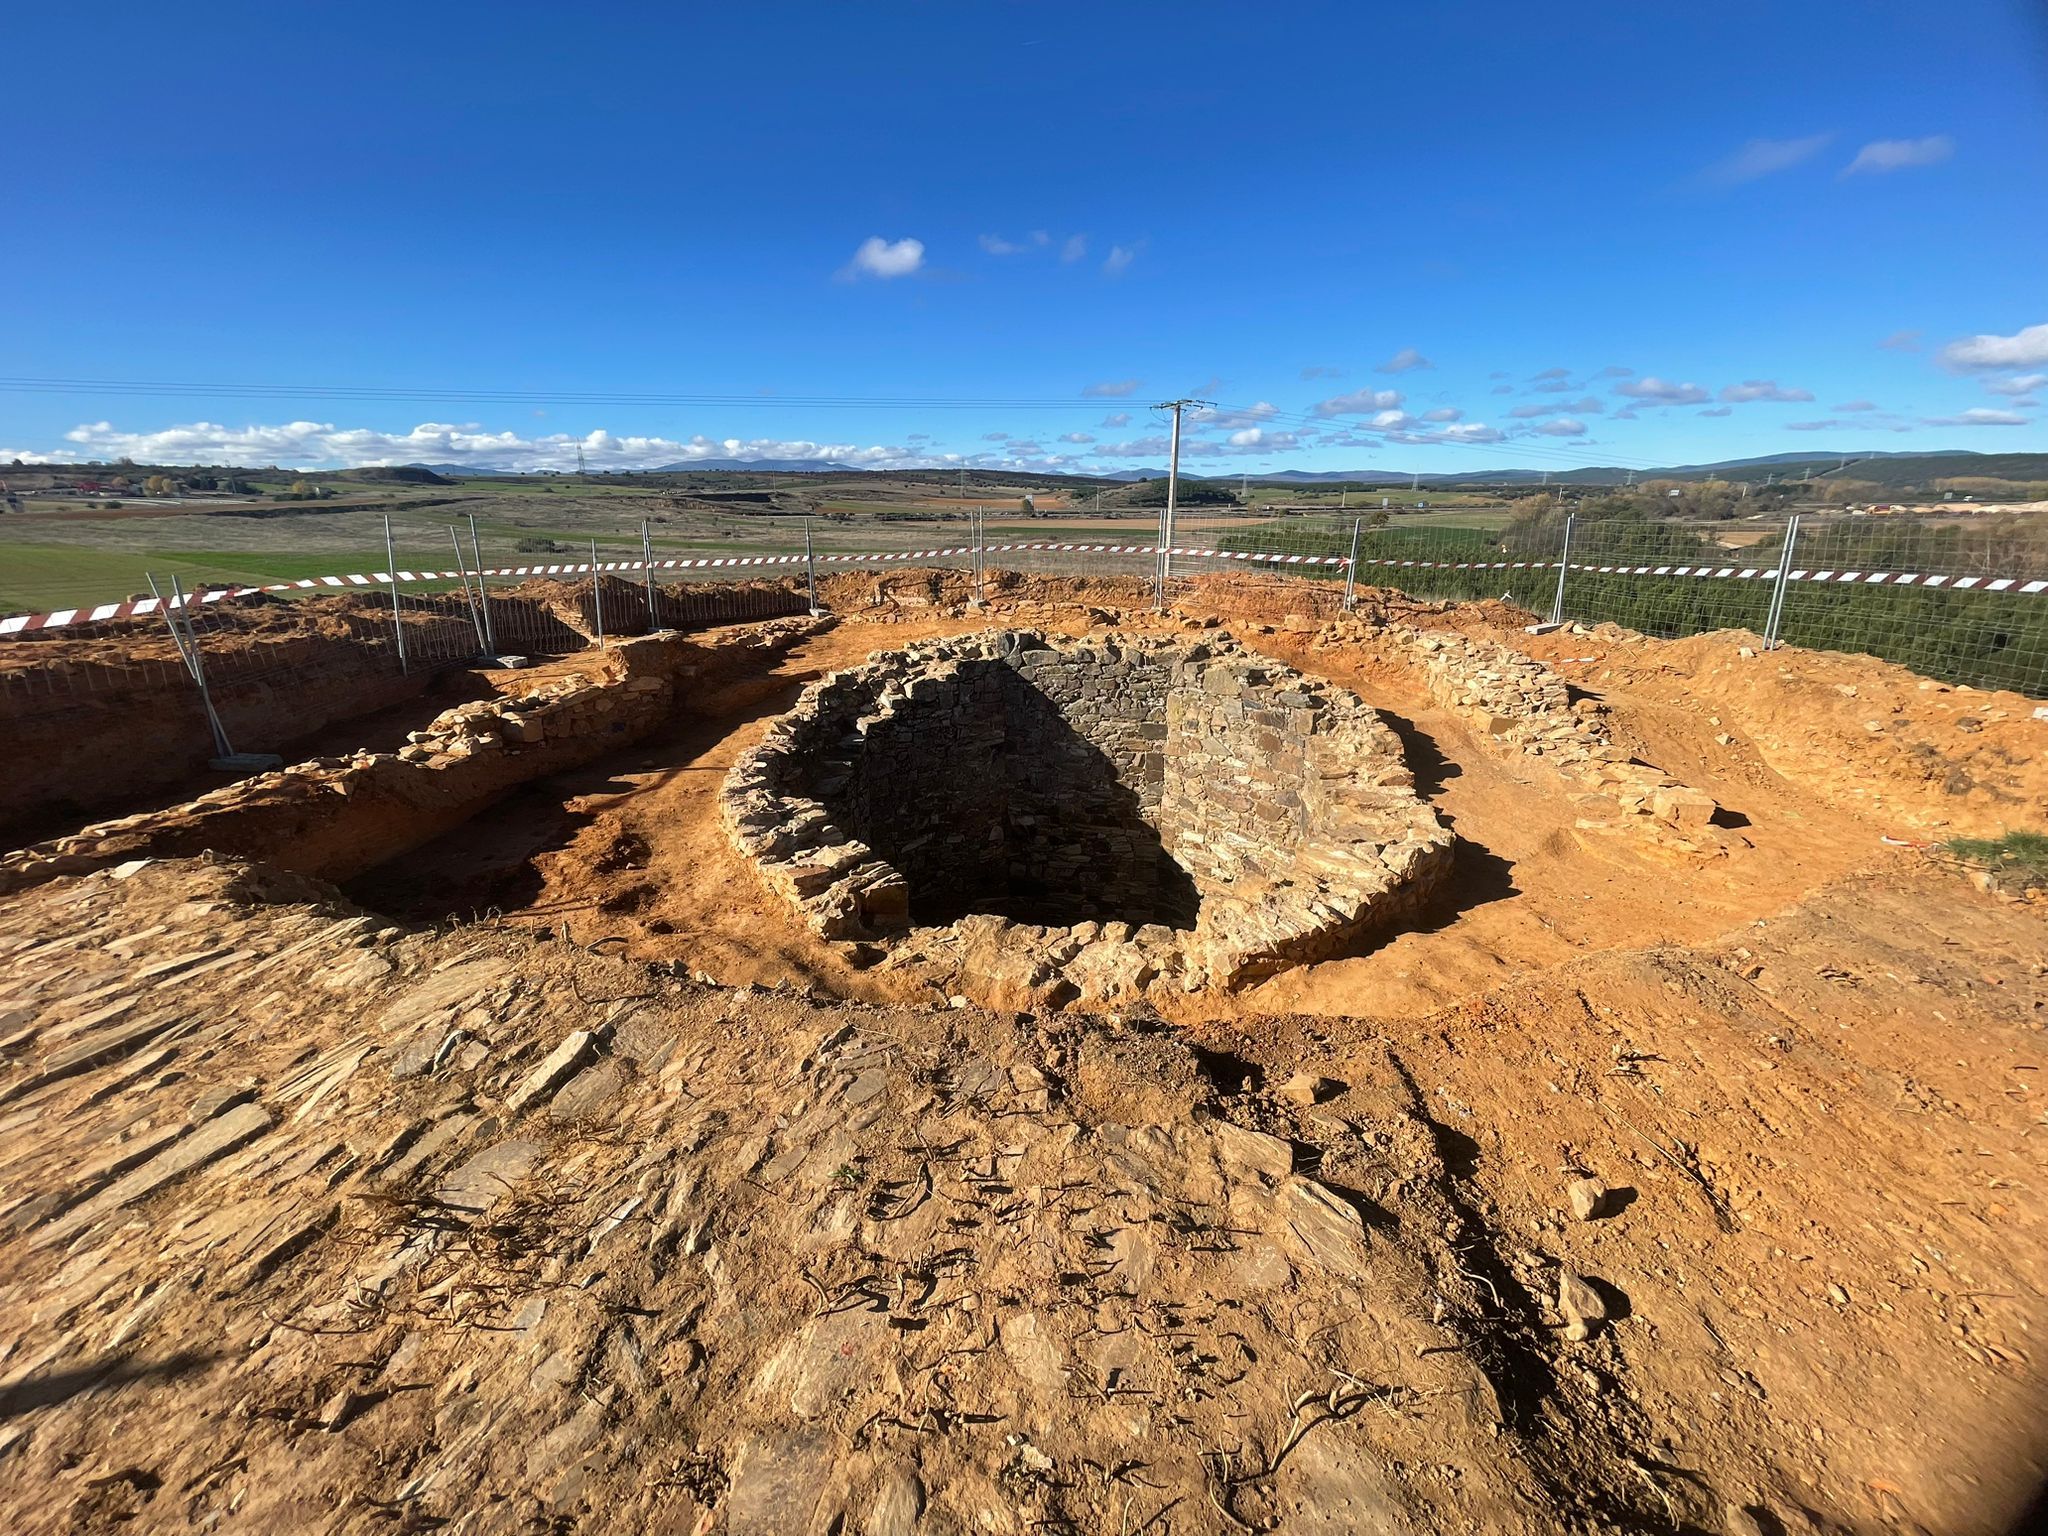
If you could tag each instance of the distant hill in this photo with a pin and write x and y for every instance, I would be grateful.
(759, 466)
(464, 471)
(395, 474)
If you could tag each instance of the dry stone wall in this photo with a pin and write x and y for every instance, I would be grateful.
(336, 817)
(1524, 709)
(1086, 820)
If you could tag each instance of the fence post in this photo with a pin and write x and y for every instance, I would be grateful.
(1351, 567)
(469, 601)
(980, 557)
(483, 589)
(647, 567)
(397, 612)
(811, 568)
(597, 594)
(1776, 615)
(1159, 566)
(1564, 563)
(188, 651)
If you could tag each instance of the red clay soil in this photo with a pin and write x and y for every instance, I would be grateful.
(1300, 1259)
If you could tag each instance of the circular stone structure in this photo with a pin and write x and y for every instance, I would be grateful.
(1049, 822)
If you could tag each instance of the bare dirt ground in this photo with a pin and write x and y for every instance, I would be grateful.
(322, 1220)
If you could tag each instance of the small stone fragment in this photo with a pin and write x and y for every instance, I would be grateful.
(1305, 1088)
(898, 1503)
(543, 1080)
(1587, 1197)
(1581, 1305)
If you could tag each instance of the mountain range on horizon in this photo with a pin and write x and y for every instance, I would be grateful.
(1818, 464)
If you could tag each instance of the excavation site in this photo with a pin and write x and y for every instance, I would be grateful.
(1016, 1056)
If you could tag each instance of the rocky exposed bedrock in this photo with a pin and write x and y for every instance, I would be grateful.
(1054, 821)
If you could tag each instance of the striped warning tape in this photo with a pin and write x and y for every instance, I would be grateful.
(142, 607)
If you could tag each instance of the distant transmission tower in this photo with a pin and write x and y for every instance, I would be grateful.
(579, 459)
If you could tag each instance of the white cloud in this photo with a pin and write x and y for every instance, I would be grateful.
(1857, 405)
(1136, 448)
(320, 445)
(1037, 240)
(1717, 410)
(1258, 440)
(2026, 348)
(1119, 259)
(1564, 426)
(1503, 389)
(1550, 374)
(2018, 384)
(1359, 402)
(1900, 154)
(1117, 419)
(1762, 389)
(1471, 432)
(1113, 387)
(1527, 412)
(1077, 437)
(885, 259)
(1651, 390)
(1318, 371)
(1977, 416)
(1556, 386)
(1387, 421)
(1811, 426)
(1221, 420)
(1073, 248)
(1404, 361)
(1901, 341)
(1611, 371)
(995, 437)
(1443, 413)
(1764, 157)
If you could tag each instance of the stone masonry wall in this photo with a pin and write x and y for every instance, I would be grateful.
(1124, 811)
(1524, 709)
(336, 817)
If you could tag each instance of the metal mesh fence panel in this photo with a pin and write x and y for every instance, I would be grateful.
(1965, 601)
(1670, 578)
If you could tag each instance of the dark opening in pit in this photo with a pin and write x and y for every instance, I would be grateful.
(988, 797)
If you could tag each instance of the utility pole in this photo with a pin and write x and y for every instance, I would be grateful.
(1631, 477)
(1415, 481)
(1165, 573)
(579, 460)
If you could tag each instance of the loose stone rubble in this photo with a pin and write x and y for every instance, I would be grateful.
(1522, 707)
(1056, 823)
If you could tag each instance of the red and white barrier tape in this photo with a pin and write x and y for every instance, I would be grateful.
(142, 607)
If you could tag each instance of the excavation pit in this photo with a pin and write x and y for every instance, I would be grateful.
(1053, 821)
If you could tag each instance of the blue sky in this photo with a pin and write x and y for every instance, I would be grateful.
(1378, 237)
